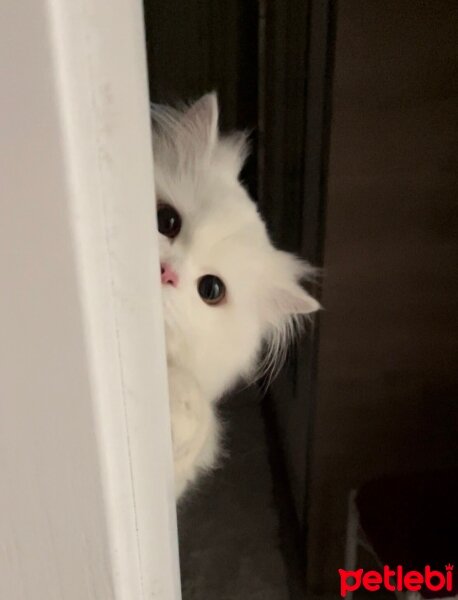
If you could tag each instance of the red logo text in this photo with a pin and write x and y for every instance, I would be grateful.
(396, 580)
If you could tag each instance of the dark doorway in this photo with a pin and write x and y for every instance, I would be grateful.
(270, 63)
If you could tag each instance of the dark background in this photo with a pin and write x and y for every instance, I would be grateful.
(387, 375)
(354, 108)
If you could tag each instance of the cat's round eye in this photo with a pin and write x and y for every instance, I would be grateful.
(211, 289)
(168, 221)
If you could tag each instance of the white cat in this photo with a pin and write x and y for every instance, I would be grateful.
(227, 292)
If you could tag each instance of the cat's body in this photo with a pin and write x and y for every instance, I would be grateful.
(226, 289)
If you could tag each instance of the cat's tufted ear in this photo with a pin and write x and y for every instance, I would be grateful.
(293, 300)
(287, 297)
(201, 119)
(287, 304)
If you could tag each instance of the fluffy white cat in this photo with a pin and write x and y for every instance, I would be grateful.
(228, 294)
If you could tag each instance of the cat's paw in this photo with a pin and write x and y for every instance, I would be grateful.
(194, 429)
(188, 424)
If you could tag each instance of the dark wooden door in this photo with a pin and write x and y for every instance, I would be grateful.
(387, 376)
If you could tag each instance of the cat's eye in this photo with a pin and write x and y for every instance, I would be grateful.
(211, 289)
(168, 220)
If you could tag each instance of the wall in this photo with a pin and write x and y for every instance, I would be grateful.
(387, 368)
(87, 509)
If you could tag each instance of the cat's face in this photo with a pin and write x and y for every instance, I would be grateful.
(225, 287)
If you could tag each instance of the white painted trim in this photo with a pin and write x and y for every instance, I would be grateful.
(86, 481)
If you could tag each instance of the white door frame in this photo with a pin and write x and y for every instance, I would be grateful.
(87, 507)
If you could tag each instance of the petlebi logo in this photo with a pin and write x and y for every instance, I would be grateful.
(396, 580)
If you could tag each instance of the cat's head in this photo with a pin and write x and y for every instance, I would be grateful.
(226, 289)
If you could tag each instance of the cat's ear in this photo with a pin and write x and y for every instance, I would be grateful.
(293, 300)
(287, 305)
(201, 118)
(287, 298)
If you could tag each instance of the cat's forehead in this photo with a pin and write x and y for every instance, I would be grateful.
(231, 244)
(225, 215)
(221, 227)
(218, 222)
(212, 208)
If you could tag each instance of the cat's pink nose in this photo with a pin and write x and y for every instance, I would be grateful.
(168, 275)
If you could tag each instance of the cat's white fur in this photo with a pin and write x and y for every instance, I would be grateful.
(210, 347)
